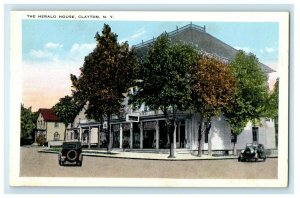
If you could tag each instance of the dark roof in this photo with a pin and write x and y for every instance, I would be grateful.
(197, 36)
(48, 115)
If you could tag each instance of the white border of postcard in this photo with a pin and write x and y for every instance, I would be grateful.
(15, 99)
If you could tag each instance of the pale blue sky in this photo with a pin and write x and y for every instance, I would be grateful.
(52, 49)
(259, 38)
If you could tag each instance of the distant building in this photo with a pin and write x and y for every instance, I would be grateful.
(50, 126)
(146, 129)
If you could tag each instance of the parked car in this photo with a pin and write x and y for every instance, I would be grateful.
(71, 152)
(253, 151)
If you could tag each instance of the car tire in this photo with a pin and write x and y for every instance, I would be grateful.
(72, 155)
(79, 163)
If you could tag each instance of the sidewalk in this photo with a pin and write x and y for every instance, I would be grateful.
(149, 156)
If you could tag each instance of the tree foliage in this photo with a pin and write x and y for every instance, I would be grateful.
(66, 109)
(105, 76)
(272, 106)
(272, 102)
(164, 76)
(248, 103)
(28, 122)
(164, 80)
(213, 87)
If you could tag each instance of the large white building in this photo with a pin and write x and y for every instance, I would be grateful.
(147, 129)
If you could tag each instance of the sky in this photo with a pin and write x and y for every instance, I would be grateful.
(54, 49)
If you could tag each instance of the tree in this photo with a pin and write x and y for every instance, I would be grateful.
(248, 103)
(164, 81)
(212, 89)
(107, 73)
(66, 110)
(28, 122)
(272, 107)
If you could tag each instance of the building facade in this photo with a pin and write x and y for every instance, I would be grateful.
(49, 126)
(146, 129)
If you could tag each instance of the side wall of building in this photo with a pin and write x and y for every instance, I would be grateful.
(52, 128)
(220, 134)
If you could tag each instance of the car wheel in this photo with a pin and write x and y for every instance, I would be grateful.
(72, 155)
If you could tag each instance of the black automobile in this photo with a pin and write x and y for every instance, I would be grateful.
(71, 152)
(252, 152)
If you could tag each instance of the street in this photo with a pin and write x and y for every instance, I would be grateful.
(35, 164)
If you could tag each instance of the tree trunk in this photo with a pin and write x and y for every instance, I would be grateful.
(65, 133)
(207, 130)
(109, 144)
(199, 138)
(171, 135)
(234, 149)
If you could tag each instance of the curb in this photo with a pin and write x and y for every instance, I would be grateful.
(144, 158)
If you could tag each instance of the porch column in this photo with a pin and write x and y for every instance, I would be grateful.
(157, 134)
(131, 136)
(174, 134)
(99, 126)
(179, 133)
(80, 134)
(89, 138)
(121, 136)
(141, 135)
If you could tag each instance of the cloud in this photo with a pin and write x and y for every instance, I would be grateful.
(79, 48)
(79, 51)
(51, 45)
(137, 34)
(246, 49)
(267, 50)
(42, 54)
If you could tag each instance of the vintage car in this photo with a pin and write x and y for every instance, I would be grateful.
(252, 151)
(71, 152)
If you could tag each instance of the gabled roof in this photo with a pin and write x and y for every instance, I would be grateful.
(48, 115)
(197, 37)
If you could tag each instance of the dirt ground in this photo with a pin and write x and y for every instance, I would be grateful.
(35, 164)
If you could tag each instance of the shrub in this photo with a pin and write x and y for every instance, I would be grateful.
(41, 140)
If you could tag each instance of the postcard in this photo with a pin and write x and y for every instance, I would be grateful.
(149, 99)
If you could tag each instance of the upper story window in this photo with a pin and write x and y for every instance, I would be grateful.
(255, 134)
(56, 124)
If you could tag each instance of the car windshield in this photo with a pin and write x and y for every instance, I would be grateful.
(71, 145)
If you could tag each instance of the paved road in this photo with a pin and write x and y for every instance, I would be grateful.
(34, 164)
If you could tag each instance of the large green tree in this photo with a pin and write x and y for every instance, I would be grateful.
(107, 73)
(248, 103)
(272, 107)
(213, 87)
(164, 81)
(28, 122)
(66, 110)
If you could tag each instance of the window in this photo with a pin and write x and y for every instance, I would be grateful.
(255, 134)
(56, 124)
(208, 126)
(56, 136)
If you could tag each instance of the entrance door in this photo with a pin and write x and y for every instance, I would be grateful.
(148, 141)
